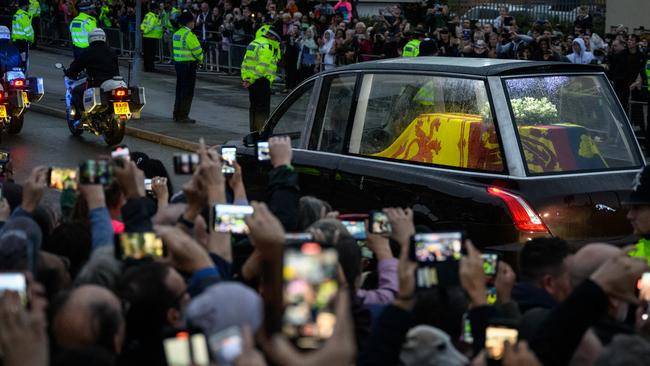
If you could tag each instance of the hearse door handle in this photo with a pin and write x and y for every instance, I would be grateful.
(361, 182)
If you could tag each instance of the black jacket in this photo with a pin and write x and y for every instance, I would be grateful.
(99, 61)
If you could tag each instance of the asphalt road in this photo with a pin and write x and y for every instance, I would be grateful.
(46, 140)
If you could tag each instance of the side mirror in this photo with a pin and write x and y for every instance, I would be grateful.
(251, 139)
(58, 65)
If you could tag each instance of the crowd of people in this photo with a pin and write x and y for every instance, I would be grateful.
(85, 305)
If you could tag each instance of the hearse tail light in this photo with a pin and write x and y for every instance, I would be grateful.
(525, 218)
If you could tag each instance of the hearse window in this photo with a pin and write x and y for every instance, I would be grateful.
(570, 123)
(426, 119)
(291, 118)
(336, 103)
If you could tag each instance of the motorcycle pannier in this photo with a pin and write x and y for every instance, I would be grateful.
(92, 99)
(36, 89)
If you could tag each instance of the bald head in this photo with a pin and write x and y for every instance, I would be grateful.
(587, 260)
(89, 316)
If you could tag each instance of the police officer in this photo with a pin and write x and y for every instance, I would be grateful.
(22, 32)
(170, 17)
(412, 48)
(35, 13)
(9, 54)
(81, 26)
(152, 32)
(258, 71)
(187, 55)
(104, 16)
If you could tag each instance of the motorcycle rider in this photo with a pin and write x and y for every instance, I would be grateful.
(9, 54)
(100, 63)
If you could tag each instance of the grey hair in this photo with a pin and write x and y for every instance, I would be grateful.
(102, 269)
(625, 350)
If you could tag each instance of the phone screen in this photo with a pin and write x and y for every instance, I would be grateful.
(310, 288)
(229, 155)
(495, 336)
(121, 152)
(298, 237)
(437, 256)
(147, 185)
(490, 262)
(263, 152)
(138, 246)
(226, 345)
(63, 178)
(15, 282)
(356, 228)
(96, 172)
(379, 224)
(230, 218)
(4, 156)
(186, 350)
(185, 164)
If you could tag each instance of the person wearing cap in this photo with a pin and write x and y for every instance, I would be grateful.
(152, 32)
(412, 48)
(169, 17)
(478, 49)
(23, 33)
(81, 26)
(188, 53)
(638, 204)
(100, 63)
(35, 12)
(9, 54)
(258, 71)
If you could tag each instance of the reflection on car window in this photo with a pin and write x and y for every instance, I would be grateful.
(293, 115)
(336, 114)
(570, 123)
(426, 119)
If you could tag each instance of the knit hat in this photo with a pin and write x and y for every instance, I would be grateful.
(20, 240)
(224, 305)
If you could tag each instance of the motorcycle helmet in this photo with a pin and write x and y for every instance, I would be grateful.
(96, 35)
(4, 32)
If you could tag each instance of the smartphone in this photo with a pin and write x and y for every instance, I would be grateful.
(96, 172)
(644, 287)
(4, 156)
(186, 164)
(121, 152)
(15, 282)
(62, 178)
(139, 246)
(147, 185)
(229, 155)
(230, 218)
(298, 237)
(309, 290)
(356, 228)
(495, 337)
(226, 345)
(490, 263)
(263, 152)
(378, 223)
(186, 350)
(437, 256)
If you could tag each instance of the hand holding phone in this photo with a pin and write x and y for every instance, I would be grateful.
(437, 256)
(62, 178)
(231, 218)
(229, 156)
(121, 152)
(17, 282)
(186, 164)
(186, 350)
(356, 228)
(96, 172)
(495, 337)
(263, 153)
(378, 223)
(138, 246)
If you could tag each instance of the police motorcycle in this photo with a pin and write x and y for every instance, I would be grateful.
(17, 93)
(106, 109)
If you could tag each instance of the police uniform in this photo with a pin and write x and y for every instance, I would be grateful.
(152, 32)
(187, 54)
(259, 70)
(79, 29)
(22, 33)
(104, 17)
(35, 12)
(412, 48)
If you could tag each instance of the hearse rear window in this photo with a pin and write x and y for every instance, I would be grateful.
(426, 119)
(570, 124)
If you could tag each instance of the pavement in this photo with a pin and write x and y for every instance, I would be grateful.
(220, 104)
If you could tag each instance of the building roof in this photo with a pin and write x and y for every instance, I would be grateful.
(471, 66)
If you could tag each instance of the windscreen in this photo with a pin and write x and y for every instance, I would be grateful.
(570, 124)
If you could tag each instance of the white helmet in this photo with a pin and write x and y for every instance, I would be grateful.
(96, 34)
(4, 32)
